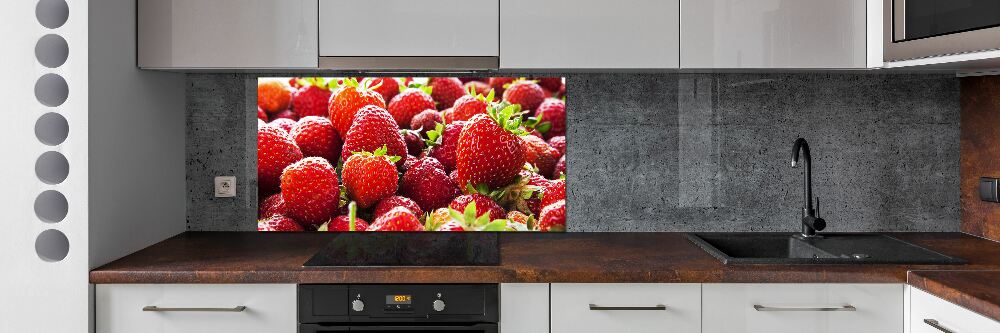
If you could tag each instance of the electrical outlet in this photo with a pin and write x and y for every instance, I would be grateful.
(225, 186)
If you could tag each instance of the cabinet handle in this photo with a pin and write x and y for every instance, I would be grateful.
(159, 309)
(935, 324)
(759, 307)
(596, 307)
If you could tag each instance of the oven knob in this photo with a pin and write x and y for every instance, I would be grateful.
(358, 305)
(438, 305)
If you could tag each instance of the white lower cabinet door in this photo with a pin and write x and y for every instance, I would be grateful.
(802, 308)
(201, 308)
(930, 314)
(634, 308)
(524, 307)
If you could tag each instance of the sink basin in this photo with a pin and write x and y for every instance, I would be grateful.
(837, 248)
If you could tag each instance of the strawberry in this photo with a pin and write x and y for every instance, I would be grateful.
(408, 162)
(525, 93)
(284, 124)
(559, 143)
(489, 152)
(553, 111)
(445, 90)
(427, 183)
(272, 205)
(553, 217)
(539, 154)
(342, 223)
(275, 151)
(313, 99)
(389, 203)
(437, 219)
(294, 82)
(554, 191)
(426, 119)
(468, 79)
(444, 143)
(562, 92)
(373, 128)
(316, 136)
(310, 190)
(409, 103)
(273, 96)
(260, 123)
(278, 223)
(388, 87)
(470, 105)
(477, 87)
(537, 185)
(397, 219)
(370, 176)
(450, 226)
(484, 205)
(287, 114)
(498, 83)
(414, 143)
(520, 221)
(552, 84)
(560, 167)
(261, 114)
(350, 98)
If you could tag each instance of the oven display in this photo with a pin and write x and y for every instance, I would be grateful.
(399, 299)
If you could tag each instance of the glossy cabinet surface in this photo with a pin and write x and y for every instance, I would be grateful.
(775, 34)
(635, 308)
(269, 308)
(802, 308)
(927, 310)
(585, 34)
(524, 307)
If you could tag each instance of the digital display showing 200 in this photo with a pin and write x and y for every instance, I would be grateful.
(398, 299)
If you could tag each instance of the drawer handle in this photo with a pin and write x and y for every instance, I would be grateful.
(935, 324)
(159, 309)
(596, 307)
(759, 307)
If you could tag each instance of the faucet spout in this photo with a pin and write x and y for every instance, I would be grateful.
(810, 222)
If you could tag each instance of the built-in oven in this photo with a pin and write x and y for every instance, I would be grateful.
(377, 308)
(916, 29)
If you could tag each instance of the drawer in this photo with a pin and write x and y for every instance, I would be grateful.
(269, 308)
(803, 308)
(948, 316)
(634, 308)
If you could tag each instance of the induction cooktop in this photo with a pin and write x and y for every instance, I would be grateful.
(409, 249)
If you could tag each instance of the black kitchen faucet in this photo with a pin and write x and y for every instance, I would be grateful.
(810, 221)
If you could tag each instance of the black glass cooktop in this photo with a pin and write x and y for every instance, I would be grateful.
(409, 249)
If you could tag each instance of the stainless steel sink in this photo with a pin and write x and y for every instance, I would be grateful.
(835, 248)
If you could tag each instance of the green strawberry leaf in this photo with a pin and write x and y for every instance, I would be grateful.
(543, 127)
(496, 225)
(324, 227)
(352, 213)
(470, 212)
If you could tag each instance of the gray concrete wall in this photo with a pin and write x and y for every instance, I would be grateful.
(684, 152)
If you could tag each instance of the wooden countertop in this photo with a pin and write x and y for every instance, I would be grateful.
(978, 291)
(260, 257)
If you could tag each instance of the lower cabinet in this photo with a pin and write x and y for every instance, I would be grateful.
(802, 308)
(635, 308)
(930, 314)
(179, 308)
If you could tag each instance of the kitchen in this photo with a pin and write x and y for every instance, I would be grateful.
(681, 207)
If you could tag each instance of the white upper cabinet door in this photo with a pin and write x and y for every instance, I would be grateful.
(227, 33)
(572, 34)
(409, 28)
(776, 34)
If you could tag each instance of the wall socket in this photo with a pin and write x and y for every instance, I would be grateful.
(225, 186)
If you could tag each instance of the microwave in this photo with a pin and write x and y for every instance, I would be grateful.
(915, 29)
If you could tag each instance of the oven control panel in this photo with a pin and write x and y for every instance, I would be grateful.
(368, 303)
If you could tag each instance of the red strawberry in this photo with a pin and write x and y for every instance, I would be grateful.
(559, 143)
(477, 87)
(488, 152)
(294, 82)
(408, 162)
(484, 205)
(469, 105)
(553, 217)
(427, 183)
(348, 100)
(445, 143)
(553, 111)
(287, 114)
(310, 190)
(534, 203)
(525, 93)
(284, 124)
(342, 223)
(498, 83)
(518, 217)
(275, 151)
(273, 96)
(261, 114)
(409, 103)
(539, 154)
(316, 136)
(272, 205)
(388, 87)
(445, 90)
(554, 191)
(468, 79)
(260, 123)
(370, 177)
(373, 128)
(451, 226)
(560, 167)
(312, 99)
(397, 201)
(552, 84)
(397, 219)
(426, 119)
(414, 143)
(278, 223)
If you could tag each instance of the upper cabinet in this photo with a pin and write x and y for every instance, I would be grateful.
(780, 34)
(589, 34)
(193, 34)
